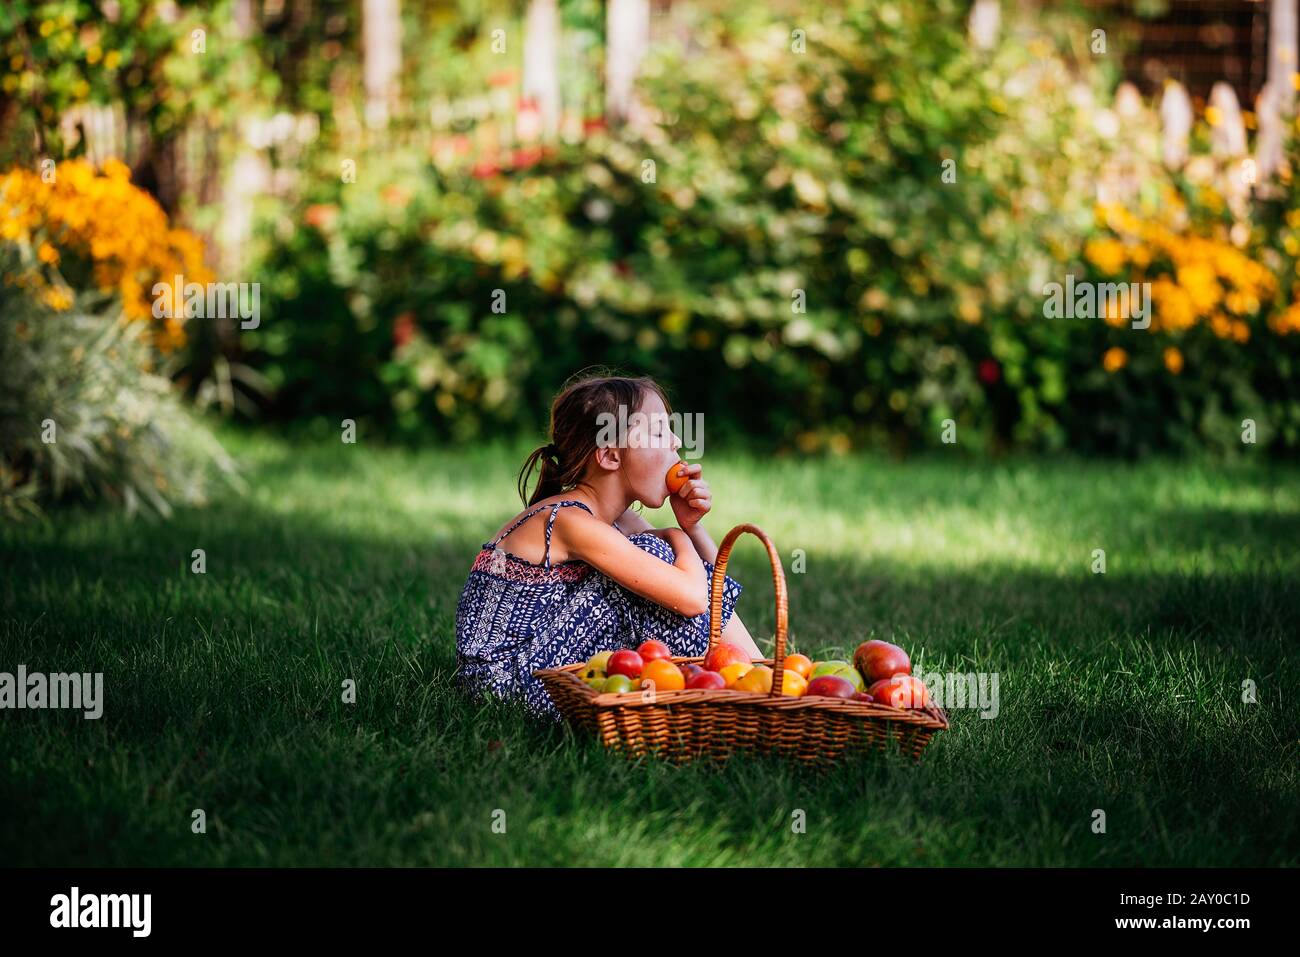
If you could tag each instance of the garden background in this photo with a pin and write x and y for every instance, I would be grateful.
(828, 228)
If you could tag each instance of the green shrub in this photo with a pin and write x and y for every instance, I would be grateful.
(841, 246)
(82, 417)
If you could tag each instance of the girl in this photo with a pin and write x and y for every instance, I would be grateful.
(578, 572)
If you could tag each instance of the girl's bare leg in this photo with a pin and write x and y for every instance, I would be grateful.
(737, 634)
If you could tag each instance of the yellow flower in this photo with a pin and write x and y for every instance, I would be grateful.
(57, 299)
(1114, 359)
(1173, 360)
(1106, 254)
(1201, 284)
(1174, 309)
(1285, 323)
(112, 59)
(120, 230)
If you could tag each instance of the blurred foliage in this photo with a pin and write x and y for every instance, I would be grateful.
(828, 248)
(834, 231)
(165, 61)
(83, 412)
(81, 415)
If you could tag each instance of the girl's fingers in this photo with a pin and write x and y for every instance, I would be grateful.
(693, 487)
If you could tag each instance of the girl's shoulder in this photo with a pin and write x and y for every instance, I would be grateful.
(542, 506)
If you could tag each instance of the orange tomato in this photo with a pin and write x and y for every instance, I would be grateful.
(664, 675)
(734, 672)
(800, 664)
(674, 480)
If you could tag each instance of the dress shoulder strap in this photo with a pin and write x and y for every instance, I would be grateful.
(555, 510)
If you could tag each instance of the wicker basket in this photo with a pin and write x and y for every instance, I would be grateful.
(689, 724)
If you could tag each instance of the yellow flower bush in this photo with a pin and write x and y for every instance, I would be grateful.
(100, 219)
(1195, 280)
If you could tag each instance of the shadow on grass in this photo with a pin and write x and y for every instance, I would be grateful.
(1120, 691)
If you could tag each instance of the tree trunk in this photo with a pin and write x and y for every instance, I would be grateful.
(627, 35)
(1282, 53)
(381, 30)
(542, 63)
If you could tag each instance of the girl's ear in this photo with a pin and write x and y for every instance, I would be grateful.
(609, 458)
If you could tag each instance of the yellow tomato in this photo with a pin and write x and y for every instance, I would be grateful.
(793, 684)
(734, 672)
(758, 678)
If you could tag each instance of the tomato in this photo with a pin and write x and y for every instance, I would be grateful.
(625, 662)
(901, 691)
(800, 664)
(878, 660)
(664, 675)
(723, 654)
(653, 649)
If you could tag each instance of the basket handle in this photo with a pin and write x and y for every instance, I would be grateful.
(778, 584)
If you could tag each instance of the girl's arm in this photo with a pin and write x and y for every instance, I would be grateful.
(735, 633)
(680, 587)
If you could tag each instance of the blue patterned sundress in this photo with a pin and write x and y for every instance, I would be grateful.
(515, 616)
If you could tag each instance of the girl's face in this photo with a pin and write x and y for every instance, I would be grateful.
(652, 448)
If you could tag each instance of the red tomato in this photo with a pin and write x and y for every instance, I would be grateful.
(901, 691)
(706, 679)
(724, 654)
(831, 686)
(625, 662)
(653, 649)
(878, 660)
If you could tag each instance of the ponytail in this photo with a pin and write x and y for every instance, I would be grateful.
(549, 483)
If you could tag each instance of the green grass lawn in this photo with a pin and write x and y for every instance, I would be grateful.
(1118, 691)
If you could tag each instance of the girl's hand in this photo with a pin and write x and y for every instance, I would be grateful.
(693, 500)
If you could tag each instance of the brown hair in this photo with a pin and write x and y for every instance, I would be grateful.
(574, 427)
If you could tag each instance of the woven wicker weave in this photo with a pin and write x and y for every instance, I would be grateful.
(707, 723)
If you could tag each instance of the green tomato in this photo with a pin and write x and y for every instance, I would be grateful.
(851, 675)
(828, 668)
(618, 684)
